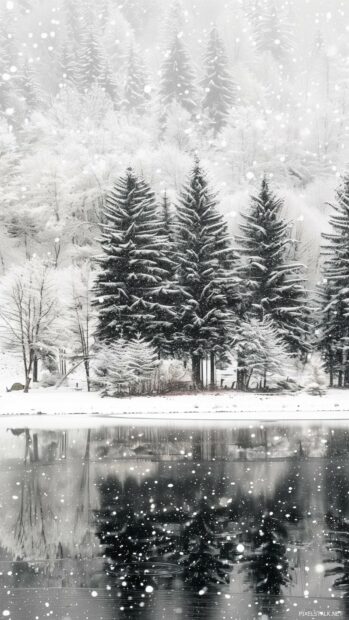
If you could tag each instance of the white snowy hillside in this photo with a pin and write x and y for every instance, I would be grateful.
(174, 196)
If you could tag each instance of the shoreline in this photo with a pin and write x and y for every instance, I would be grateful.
(210, 407)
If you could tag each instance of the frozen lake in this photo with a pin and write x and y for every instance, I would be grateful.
(165, 522)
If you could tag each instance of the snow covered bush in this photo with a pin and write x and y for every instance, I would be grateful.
(314, 378)
(126, 367)
(262, 355)
(173, 375)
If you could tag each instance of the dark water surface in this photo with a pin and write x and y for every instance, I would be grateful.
(157, 523)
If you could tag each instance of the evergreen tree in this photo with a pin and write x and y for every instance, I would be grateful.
(139, 12)
(108, 83)
(273, 285)
(132, 264)
(329, 331)
(205, 263)
(177, 81)
(272, 29)
(175, 20)
(135, 93)
(167, 294)
(68, 63)
(29, 88)
(169, 228)
(90, 66)
(73, 28)
(8, 79)
(217, 84)
(336, 272)
(84, 62)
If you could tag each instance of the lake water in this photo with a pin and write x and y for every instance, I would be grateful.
(151, 522)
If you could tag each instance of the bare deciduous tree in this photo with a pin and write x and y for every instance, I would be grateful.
(28, 311)
(82, 316)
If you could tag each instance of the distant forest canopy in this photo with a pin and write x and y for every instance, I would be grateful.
(86, 89)
(245, 101)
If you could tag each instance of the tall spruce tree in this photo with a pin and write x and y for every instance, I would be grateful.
(90, 66)
(69, 52)
(328, 331)
(274, 286)
(84, 60)
(273, 32)
(205, 272)
(132, 266)
(8, 80)
(175, 20)
(167, 294)
(336, 272)
(177, 80)
(30, 90)
(219, 89)
(135, 94)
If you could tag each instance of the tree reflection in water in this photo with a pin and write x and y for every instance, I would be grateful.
(267, 562)
(338, 544)
(188, 525)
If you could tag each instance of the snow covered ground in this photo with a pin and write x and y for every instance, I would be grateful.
(210, 406)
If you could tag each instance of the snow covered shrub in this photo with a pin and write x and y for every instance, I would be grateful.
(262, 354)
(126, 367)
(314, 378)
(173, 375)
(49, 379)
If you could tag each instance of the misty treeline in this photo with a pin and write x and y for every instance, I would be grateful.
(136, 276)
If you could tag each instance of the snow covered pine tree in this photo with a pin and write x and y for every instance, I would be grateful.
(205, 273)
(177, 81)
(273, 285)
(132, 275)
(136, 96)
(336, 273)
(219, 88)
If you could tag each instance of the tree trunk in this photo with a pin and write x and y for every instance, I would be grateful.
(330, 368)
(212, 370)
(27, 383)
(239, 374)
(196, 371)
(340, 379)
(35, 369)
(28, 369)
(342, 372)
(87, 373)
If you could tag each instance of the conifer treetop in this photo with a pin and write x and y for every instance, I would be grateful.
(274, 285)
(132, 268)
(177, 82)
(218, 86)
(205, 267)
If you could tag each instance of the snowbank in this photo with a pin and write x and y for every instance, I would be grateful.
(204, 406)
